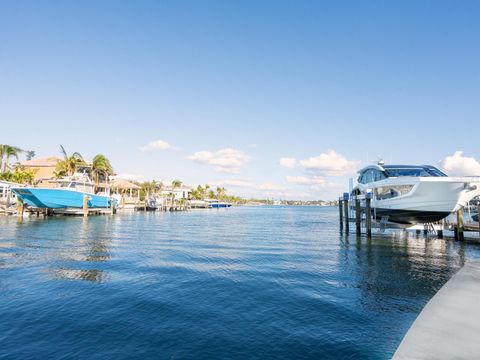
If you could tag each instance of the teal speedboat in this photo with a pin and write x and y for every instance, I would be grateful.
(68, 193)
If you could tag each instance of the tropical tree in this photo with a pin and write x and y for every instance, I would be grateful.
(198, 193)
(101, 167)
(20, 175)
(175, 184)
(30, 154)
(69, 164)
(221, 192)
(6, 152)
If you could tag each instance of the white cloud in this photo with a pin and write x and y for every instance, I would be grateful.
(288, 162)
(306, 180)
(156, 145)
(232, 182)
(459, 165)
(270, 187)
(225, 160)
(331, 164)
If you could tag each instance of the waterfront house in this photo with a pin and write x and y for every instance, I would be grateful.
(128, 191)
(181, 192)
(44, 169)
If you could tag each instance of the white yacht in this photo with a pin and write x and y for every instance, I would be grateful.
(411, 194)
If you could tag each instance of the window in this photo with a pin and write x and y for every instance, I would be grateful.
(388, 192)
(371, 175)
(378, 175)
(427, 171)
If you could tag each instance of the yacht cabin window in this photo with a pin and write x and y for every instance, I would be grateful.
(371, 175)
(426, 171)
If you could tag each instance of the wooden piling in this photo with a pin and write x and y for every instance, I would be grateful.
(345, 211)
(440, 231)
(20, 208)
(460, 227)
(478, 213)
(358, 219)
(368, 214)
(340, 212)
(85, 205)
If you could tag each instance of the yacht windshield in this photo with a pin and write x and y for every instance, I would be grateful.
(414, 171)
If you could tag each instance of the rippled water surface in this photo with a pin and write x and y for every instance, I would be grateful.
(240, 283)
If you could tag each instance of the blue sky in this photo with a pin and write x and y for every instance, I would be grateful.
(234, 86)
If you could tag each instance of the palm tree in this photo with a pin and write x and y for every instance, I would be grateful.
(101, 166)
(175, 184)
(2, 153)
(211, 194)
(30, 154)
(69, 164)
(6, 152)
(221, 192)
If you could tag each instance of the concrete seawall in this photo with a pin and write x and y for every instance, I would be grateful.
(449, 325)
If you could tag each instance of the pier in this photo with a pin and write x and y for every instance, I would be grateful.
(448, 326)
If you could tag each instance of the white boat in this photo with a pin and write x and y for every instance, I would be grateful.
(7, 197)
(411, 194)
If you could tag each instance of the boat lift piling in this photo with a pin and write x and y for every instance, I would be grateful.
(358, 216)
(478, 212)
(340, 212)
(368, 213)
(459, 229)
(85, 205)
(345, 210)
(344, 214)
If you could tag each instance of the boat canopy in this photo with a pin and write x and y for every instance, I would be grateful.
(374, 173)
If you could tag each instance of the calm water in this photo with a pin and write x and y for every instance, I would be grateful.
(241, 283)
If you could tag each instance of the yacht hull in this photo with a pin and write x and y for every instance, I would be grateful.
(431, 199)
(404, 216)
(59, 198)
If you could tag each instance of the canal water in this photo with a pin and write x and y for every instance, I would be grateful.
(238, 283)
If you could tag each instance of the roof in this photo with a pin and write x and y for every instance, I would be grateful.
(123, 184)
(49, 161)
(178, 188)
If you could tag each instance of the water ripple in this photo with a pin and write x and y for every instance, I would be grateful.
(261, 282)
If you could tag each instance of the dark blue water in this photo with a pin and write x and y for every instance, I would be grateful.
(241, 283)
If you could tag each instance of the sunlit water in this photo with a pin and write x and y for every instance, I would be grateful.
(239, 283)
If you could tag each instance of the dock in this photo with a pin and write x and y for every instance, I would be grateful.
(358, 211)
(449, 325)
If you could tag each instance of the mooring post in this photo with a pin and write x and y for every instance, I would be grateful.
(440, 230)
(85, 205)
(478, 214)
(460, 227)
(8, 200)
(340, 212)
(358, 216)
(20, 208)
(368, 214)
(345, 210)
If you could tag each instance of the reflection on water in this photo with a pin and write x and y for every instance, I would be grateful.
(238, 283)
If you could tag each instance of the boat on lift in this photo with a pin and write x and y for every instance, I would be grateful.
(215, 204)
(412, 194)
(68, 192)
